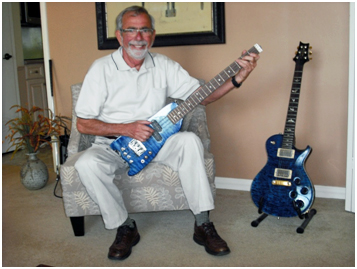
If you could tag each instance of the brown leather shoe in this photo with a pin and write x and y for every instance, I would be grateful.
(207, 236)
(125, 239)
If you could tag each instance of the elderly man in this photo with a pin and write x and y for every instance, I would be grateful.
(121, 91)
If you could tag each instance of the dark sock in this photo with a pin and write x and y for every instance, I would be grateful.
(202, 218)
(129, 222)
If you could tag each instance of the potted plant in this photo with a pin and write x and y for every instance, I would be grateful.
(30, 131)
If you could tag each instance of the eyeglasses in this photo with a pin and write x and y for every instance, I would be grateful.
(134, 31)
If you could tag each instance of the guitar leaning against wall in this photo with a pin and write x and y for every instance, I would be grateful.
(282, 188)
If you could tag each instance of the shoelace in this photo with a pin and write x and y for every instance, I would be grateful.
(122, 234)
(210, 230)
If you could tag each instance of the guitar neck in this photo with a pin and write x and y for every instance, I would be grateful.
(206, 90)
(290, 123)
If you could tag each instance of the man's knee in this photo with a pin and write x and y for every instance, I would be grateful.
(90, 159)
(84, 162)
(190, 139)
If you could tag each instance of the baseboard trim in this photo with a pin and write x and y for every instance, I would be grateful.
(244, 185)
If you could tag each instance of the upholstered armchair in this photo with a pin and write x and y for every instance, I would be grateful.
(156, 188)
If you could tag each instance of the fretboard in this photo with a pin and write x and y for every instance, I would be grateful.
(206, 90)
(290, 124)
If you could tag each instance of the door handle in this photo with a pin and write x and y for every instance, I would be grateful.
(7, 56)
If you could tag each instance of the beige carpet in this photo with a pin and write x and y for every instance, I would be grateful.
(36, 231)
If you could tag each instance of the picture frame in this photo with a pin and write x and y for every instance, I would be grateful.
(215, 36)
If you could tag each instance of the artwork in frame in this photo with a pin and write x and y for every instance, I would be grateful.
(176, 23)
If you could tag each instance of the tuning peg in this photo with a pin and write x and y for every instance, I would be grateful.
(310, 47)
(310, 52)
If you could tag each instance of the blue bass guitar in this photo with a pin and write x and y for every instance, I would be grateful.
(168, 121)
(282, 188)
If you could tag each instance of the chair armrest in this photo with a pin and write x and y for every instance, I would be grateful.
(197, 123)
(75, 137)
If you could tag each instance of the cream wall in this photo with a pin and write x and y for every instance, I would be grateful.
(241, 122)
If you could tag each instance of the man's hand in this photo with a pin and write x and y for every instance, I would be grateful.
(248, 63)
(138, 130)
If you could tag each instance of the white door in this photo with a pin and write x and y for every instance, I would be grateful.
(10, 88)
(36, 92)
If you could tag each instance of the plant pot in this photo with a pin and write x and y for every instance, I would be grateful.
(34, 173)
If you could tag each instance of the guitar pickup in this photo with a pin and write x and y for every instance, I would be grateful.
(282, 173)
(157, 128)
(286, 153)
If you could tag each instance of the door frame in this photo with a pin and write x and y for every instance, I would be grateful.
(351, 143)
(46, 59)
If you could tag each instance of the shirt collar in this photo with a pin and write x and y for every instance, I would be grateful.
(122, 65)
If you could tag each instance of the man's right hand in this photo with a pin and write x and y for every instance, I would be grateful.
(138, 130)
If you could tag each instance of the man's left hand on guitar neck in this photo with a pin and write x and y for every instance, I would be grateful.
(247, 64)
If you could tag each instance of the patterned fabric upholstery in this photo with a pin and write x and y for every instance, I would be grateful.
(156, 188)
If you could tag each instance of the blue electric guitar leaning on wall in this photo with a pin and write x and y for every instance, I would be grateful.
(168, 121)
(282, 188)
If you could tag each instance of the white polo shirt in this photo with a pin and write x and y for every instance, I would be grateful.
(113, 92)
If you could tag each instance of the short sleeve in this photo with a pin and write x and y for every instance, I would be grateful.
(93, 93)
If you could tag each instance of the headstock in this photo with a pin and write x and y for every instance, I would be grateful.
(302, 55)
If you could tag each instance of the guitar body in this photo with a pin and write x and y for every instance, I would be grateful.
(291, 191)
(139, 154)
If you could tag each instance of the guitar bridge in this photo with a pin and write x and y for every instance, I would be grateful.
(281, 183)
(137, 147)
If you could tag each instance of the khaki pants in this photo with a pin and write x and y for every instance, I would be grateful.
(183, 152)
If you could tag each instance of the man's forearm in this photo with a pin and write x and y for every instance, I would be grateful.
(97, 127)
(138, 130)
(220, 92)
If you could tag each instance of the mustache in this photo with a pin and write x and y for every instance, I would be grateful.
(138, 43)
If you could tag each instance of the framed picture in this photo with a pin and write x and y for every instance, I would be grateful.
(176, 23)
